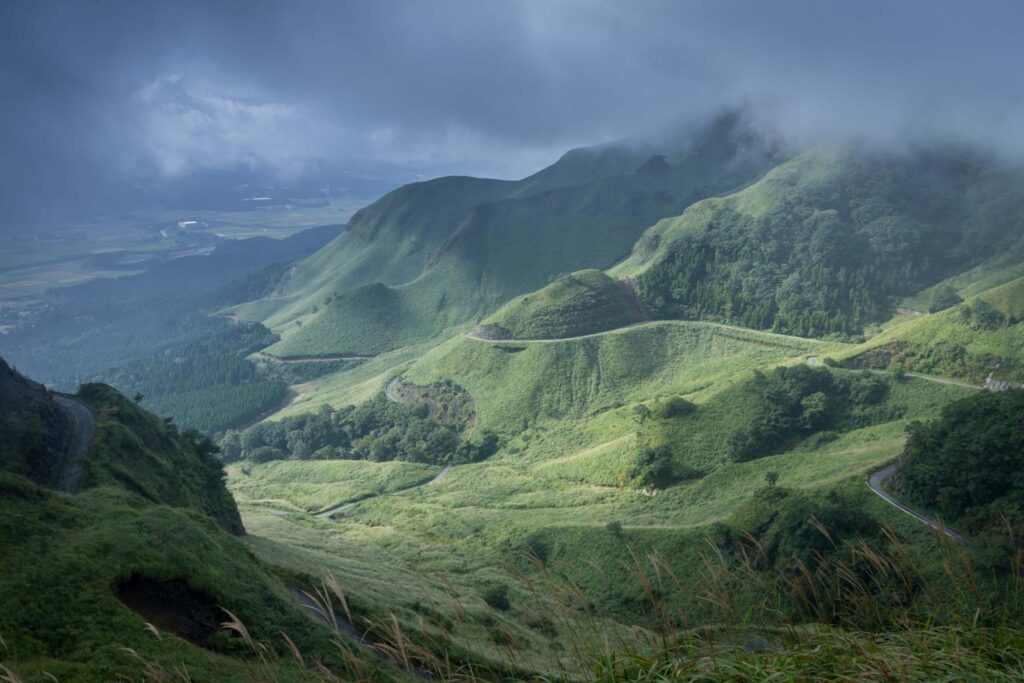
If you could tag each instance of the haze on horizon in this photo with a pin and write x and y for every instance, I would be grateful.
(114, 94)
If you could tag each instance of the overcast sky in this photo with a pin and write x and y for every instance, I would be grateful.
(97, 93)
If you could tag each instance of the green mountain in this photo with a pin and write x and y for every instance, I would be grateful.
(831, 240)
(435, 255)
(649, 403)
(685, 369)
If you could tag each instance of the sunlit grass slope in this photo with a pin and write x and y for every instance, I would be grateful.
(432, 556)
(953, 343)
(519, 383)
(312, 485)
(581, 303)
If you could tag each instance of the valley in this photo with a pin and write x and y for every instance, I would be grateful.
(522, 341)
(640, 404)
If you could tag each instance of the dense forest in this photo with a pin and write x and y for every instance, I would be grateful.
(82, 333)
(968, 465)
(826, 243)
(206, 384)
(378, 430)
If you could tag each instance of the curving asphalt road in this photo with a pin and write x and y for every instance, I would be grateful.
(815, 361)
(876, 482)
(441, 476)
(389, 391)
(704, 323)
(83, 424)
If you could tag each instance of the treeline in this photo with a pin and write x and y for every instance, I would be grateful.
(378, 430)
(797, 402)
(968, 465)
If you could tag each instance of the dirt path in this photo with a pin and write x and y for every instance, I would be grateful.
(441, 476)
(876, 482)
(618, 330)
(83, 424)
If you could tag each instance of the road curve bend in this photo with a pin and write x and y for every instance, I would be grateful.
(876, 482)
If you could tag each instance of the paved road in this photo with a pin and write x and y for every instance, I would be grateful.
(876, 481)
(389, 391)
(930, 378)
(617, 330)
(83, 424)
(814, 361)
(441, 476)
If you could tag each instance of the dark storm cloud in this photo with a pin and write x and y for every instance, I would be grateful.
(104, 92)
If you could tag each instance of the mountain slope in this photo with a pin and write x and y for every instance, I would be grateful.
(34, 431)
(827, 242)
(499, 248)
(151, 537)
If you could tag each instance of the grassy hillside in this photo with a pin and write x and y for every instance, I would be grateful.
(146, 540)
(581, 303)
(979, 338)
(520, 383)
(672, 475)
(497, 247)
(318, 484)
(137, 451)
(562, 504)
(825, 242)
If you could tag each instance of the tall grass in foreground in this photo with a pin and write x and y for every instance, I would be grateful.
(862, 612)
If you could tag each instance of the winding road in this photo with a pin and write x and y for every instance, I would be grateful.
(815, 362)
(701, 323)
(441, 476)
(83, 424)
(876, 482)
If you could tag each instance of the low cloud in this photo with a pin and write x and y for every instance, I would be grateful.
(106, 92)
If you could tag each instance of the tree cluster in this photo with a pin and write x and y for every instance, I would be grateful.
(796, 402)
(378, 430)
(968, 465)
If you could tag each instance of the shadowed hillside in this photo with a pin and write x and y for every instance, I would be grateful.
(455, 249)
